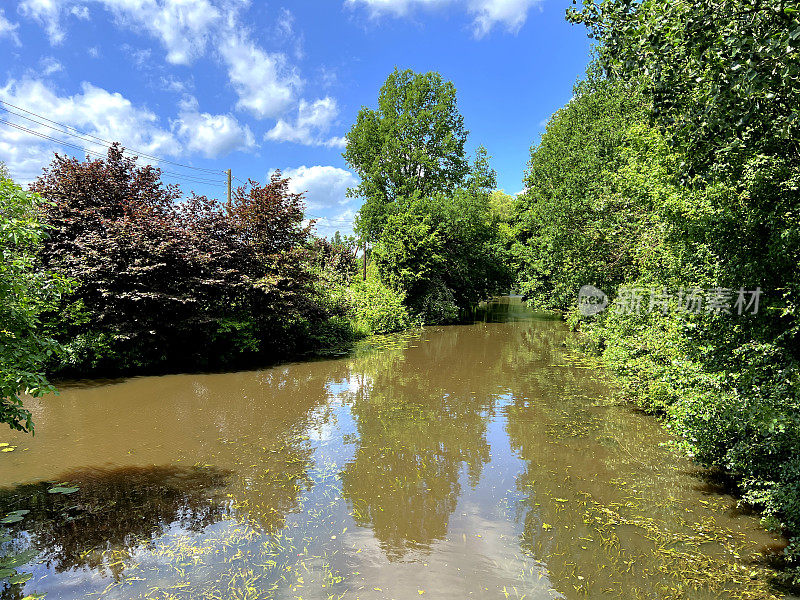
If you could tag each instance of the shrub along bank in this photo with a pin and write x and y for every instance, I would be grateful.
(677, 166)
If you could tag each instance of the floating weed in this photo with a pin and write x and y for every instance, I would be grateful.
(678, 559)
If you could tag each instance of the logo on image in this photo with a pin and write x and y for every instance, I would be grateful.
(591, 300)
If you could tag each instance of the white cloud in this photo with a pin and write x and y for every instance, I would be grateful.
(82, 12)
(173, 84)
(47, 13)
(8, 29)
(285, 24)
(342, 222)
(211, 135)
(141, 57)
(95, 111)
(511, 14)
(396, 7)
(187, 29)
(266, 85)
(184, 27)
(287, 35)
(314, 120)
(324, 186)
(50, 65)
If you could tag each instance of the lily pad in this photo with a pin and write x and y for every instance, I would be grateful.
(17, 560)
(19, 578)
(62, 490)
(10, 519)
(14, 517)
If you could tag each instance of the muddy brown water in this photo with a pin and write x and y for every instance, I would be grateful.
(473, 461)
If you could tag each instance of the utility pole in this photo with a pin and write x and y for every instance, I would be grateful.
(365, 260)
(230, 176)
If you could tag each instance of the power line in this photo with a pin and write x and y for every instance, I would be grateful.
(169, 174)
(107, 142)
(192, 178)
(93, 139)
(328, 223)
(56, 128)
(47, 137)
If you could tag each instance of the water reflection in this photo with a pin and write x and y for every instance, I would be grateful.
(482, 461)
(112, 512)
(415, 432)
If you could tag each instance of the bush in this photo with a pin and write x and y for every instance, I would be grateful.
(376, 308)
(613, 200)
(733, 404)
(168, 283)
(26, 292)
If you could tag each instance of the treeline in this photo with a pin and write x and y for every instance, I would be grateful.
(671, 181)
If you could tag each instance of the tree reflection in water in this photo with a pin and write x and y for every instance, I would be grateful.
(476, 461)
(113, 512)
(421, 424)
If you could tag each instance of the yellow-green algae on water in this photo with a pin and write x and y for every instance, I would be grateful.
(475, 461)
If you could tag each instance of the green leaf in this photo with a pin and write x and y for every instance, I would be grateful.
(17, 560)
(20, 578)
(14, 517)
(62, 490)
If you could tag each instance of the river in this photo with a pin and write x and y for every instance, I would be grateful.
(474, 461)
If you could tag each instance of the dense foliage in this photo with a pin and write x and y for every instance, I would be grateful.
(377, 308)
(578, 218)
(163, 282)
(677, 166)
(366, 303)
(413, 143)
(429, 213)
(26, 291)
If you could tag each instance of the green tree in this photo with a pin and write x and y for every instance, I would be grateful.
(575, 222)
(723, 78)
(695, 186)
(412, 143)
(25, 293)
(444, 251)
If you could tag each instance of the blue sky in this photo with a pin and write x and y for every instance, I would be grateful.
(257, 86)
